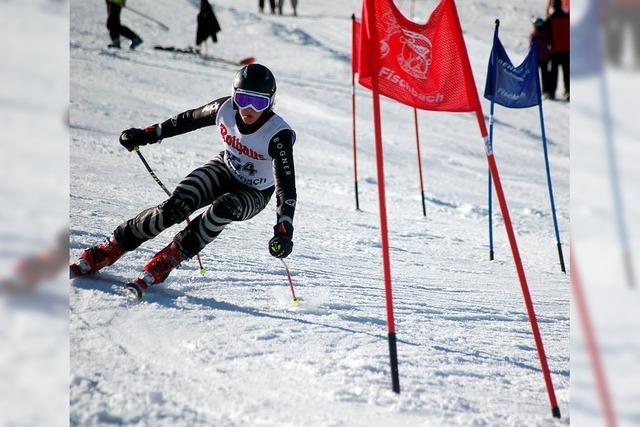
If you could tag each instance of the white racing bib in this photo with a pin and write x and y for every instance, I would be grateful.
(247, 156)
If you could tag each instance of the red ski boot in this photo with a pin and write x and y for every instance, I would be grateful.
(156, 270)
(97, 257)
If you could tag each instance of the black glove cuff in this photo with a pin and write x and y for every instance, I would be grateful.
(151, 134)
(284, 228)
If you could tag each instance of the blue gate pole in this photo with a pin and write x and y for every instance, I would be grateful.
(546, 164)
(489, 194)
(615, 183)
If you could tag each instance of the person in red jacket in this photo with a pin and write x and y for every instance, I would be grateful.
(540, 39)
(565, 6)
(558, 24)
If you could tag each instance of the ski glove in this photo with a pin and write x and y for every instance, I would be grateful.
(135, 137)
(280, 245)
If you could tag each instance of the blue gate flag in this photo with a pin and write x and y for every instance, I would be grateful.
(514, 87)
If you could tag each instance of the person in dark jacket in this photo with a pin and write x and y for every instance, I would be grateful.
(558, 23)
(272, 4)
(540, 39)
(207, 24)
(116, 29)
(236, 185)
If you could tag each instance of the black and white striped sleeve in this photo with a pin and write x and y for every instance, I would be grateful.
(191, 120)
(281, 150)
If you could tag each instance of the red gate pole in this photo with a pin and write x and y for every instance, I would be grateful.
(382, 205)
(592, 345)
(415, 119)
(493, 168)
(353, 110)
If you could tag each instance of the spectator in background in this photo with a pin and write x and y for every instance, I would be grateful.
(540, 39)
(558, 24)
(621, 19)
(272, 4)
(114, 7)
(208, 25)
(565, 6)
(294, 5)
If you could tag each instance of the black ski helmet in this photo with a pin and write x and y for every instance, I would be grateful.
(256, 78)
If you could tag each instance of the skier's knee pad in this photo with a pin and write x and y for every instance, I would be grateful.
(174, 210)
(227, 208)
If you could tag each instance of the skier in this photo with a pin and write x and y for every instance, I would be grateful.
(235, 186)
(114, 7)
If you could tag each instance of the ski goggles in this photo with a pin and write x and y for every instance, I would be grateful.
(256, 101)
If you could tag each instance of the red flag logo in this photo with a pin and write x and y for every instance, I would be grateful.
(423, 66)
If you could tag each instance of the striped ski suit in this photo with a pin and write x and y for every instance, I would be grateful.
(215, 187)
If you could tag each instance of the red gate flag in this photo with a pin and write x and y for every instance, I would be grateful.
(423, 66)
(355, 45)
(427, 67)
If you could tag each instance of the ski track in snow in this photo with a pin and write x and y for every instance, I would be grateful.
(229, 349)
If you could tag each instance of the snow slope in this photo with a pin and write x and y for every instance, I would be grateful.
(34, 208)
(598, 256)
(229, 349)
(613, 305)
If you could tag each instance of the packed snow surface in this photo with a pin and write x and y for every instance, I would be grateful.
(229, 348)
(34, 185)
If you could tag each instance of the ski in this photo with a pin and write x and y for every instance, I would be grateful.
(75, 271)
(246, 61)
(190, 50)
(134, 290)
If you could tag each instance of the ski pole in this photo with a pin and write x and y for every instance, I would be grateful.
(156, 179)
(293, 291)
(137, 12)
